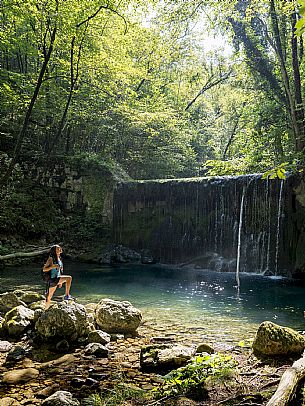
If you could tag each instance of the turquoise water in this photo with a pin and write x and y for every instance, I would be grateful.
(199, 303)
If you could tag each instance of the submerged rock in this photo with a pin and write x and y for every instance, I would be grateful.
(274, 340)
(62, 346)
(64, 361)
(117, 317)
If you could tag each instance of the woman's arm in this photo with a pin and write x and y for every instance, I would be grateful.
(49, 265)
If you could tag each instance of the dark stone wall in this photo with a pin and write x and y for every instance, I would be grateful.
(196, 221)
(77, 190)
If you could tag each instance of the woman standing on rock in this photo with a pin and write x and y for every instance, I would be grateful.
(54, 266)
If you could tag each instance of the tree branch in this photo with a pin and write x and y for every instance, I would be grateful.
(209, 84)
(24, 254)
(96, 13)
(26, 121)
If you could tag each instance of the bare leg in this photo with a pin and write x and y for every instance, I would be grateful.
(67, 279)
(49, 296)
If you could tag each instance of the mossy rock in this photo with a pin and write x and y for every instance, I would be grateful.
(274, 340)
(205, 348)
(31, 297)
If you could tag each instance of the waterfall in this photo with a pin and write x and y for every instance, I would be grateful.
(268, 205)
(279, 215)
(222, 223)
(239, 236)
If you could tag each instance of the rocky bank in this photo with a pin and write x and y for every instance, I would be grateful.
(65, 355)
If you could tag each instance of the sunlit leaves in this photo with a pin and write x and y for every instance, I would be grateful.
(277, 172)
(133, 87)
(192, 379)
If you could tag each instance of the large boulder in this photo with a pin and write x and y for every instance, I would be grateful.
(273, 340)
(165, 357)
(17, 320)
(65, 320)
(117, 317)
(9, 300)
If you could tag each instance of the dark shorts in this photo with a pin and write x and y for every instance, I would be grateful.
(53, 282)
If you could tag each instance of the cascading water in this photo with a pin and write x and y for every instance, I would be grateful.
(278, 228)
(239, 236)
(196, 221)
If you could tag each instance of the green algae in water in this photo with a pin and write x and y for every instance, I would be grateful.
(193, 303)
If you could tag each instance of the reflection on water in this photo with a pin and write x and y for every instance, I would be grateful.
(191, 301)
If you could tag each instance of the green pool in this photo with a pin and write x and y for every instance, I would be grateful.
(189, 302)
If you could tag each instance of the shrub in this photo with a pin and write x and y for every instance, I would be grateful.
(191, 379)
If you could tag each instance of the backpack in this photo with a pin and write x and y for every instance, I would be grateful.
(45, 276)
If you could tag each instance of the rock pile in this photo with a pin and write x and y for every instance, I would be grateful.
(61, 355)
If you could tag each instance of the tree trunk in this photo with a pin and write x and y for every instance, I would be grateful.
(295, 103)
(288, 383)
(24, 254)
(26, 122)
(299, 107)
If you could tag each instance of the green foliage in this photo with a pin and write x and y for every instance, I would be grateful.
(87, 227)
(117, 396)
(239, 166)
(123, 100)
(281, 171)
(28, 211)
(277, 172)
(300, 24)
(191, 380)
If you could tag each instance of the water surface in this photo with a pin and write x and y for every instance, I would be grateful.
(199, 303)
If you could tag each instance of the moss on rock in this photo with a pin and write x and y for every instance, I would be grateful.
(274, 340)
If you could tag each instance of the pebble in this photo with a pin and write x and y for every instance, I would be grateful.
(126, 365)
(147, 386)
(28, 394)
(28, 363)
(47, 391)
(5, 346)
(133, 358)
(157, 379)
(161, 339)
(78, 382)
(131, 374)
